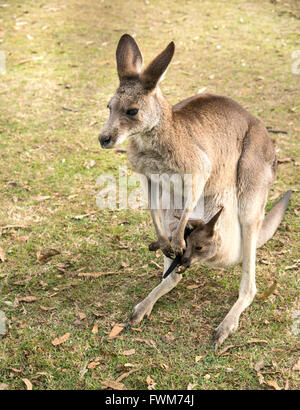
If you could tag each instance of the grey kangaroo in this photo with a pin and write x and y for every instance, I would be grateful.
(226, 150)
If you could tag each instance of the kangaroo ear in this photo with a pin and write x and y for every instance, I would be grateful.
(155, 70)
(129, 58)
(210, 226)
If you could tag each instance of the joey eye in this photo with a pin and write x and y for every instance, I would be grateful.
(198, 248)
(132, 112)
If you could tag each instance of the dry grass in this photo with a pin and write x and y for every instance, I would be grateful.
(61, 54)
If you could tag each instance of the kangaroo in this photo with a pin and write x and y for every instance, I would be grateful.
(204, 240)
(227, 152)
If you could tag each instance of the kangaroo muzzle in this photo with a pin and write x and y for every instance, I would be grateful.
(105, 140)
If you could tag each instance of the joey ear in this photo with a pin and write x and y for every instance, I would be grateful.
(155, 70)
(210, 226)
(196, 223)
(129, 58)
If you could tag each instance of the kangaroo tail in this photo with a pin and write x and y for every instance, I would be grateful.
(273, 219)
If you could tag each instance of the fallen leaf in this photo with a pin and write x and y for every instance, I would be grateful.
(82, 146)
(78, 217)
(5, 227)
(15, 370)
(112, 384)
(23, 238)
(168, 338)
(90, 164)
(291, 267)
(45, 308)
(150, 382)
(95, 329)
(92, 365)
(124, 375)
(256, 341)
(81, 315)
(3, 386)
(259, 365)
(129, 352)
(191, 386)
(28, 299)
(2, 254)
(129, 364)
(261, 378)
(287, 385)
(267, 292)
(28, 384)
(156, 264)
(225, 349)
(150, 343)
(275, 196)
(273, 384)
(265, 262)
(41, 198)
(59, 340)
(296, 366)
(116, 330)
(193, 286)
(94, 274)
(46, 254)
(197, 358)
(20, 283)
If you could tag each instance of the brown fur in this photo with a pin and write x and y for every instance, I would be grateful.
(227, 151)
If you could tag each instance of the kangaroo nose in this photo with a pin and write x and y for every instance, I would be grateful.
(104, 140)
(186, 262)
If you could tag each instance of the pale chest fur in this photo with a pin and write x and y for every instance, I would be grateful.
(149, 156)
(229, 251)
(146, 158)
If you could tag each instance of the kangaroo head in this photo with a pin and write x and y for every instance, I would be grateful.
(136, 107)
(203, 242)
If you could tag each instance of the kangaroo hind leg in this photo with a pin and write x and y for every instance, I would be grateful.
(251, 215)
(145, 307)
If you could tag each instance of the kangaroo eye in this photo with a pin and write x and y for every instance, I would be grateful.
(198, 248)
(132, 112)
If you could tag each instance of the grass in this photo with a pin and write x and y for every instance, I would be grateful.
(62, 55)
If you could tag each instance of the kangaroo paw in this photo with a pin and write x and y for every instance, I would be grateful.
(154, 246)
(140, 311)
(228, 326)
